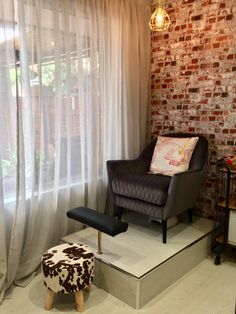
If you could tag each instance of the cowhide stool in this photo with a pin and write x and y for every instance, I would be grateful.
(68, 268)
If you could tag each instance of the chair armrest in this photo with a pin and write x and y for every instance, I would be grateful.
(186, 182)
(187, 174)
(184, 189)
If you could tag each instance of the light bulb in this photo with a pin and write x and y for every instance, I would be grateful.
(159, 18)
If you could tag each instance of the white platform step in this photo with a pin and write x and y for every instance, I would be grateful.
(136, 266)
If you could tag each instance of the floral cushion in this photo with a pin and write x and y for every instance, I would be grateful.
(172, 155)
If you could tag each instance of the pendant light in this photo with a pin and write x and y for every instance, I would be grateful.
(160, 20)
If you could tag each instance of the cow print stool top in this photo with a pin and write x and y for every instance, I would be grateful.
(68, 267)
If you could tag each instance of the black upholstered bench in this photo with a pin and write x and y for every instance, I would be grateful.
(98, 221)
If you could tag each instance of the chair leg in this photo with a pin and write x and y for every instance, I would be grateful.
(190, 215)
(120, 211)
(164, 230)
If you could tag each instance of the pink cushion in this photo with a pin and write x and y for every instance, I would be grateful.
(172, 155)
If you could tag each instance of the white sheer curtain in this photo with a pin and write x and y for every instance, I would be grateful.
(79, 98)
(8, 123)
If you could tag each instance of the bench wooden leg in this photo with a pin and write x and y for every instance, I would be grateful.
(79, 301)
(49, 300)
(100, 242)
(89, 288)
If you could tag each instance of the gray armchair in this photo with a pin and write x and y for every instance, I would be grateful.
(158, 196)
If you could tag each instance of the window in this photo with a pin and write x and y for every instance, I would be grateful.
(45, 101)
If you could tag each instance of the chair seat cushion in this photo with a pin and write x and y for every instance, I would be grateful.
(146, 187)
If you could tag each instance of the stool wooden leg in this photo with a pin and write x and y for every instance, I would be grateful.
(49, 300)
(89, 288)
(79, 300)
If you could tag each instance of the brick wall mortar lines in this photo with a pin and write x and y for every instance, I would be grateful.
(193, 79)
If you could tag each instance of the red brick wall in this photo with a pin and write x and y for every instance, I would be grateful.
(193, 78)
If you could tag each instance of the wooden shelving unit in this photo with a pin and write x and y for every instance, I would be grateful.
(225, 209)
(232, 203)
(220, 239)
